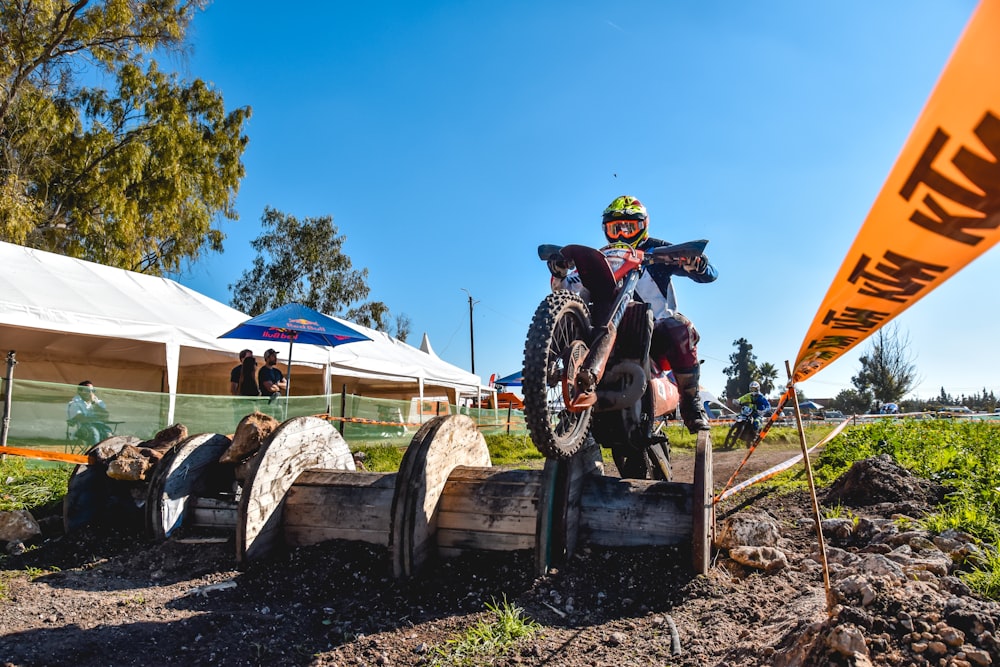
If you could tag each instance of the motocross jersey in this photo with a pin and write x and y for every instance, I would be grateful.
(758, 401)
(655, 287)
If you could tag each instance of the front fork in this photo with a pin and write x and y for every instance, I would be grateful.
(586, 376)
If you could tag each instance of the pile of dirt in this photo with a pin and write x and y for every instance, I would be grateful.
(110, 599)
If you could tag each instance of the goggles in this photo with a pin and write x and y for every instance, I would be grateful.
(618, 229)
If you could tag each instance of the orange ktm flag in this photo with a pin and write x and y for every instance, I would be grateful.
(938, 210)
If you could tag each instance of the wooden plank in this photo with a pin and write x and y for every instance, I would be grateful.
(452, 542)
(703, 505)
(369, 517)
(523, 524)
(297, 445)
(301, 536)
(206, 517)
(441, 445)
(498, 505)
(617, 512)
(345, 477)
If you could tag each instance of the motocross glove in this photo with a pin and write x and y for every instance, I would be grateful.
(558, 267)
(695, 264)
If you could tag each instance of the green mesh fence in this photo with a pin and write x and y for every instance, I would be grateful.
(38, 415)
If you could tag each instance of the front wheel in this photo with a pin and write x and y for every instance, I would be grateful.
(560, 321)
(735, 435)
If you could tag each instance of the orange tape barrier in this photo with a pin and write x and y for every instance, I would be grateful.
(362, 420)
(781, 467)
(938, 210)
(44, 455)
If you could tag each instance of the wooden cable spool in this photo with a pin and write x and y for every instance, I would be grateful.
(94, 498)
(188, 475)
(446, 499)
(299, 444)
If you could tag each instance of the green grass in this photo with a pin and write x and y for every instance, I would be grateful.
(26, 486)
(963, 456)
(489, 638)
(505, 449)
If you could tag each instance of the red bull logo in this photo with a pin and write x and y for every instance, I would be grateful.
(303, 324)
(278, 334)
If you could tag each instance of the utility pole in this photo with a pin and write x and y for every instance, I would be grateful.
(472, 335)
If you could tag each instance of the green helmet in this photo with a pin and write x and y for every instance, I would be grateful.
(625, 221)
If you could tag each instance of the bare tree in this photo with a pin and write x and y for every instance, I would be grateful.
(887, 369)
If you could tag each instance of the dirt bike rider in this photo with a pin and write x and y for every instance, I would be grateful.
(757, 401)
(674, 338)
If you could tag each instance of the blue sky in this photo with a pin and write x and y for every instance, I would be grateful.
(449, 139)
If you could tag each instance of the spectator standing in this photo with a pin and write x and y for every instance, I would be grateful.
(271, 380)
(247, 379)
(234, 375)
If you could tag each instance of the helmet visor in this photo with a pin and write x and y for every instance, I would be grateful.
(623, 229)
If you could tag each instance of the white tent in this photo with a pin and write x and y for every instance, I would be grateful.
(709, 400)
(69, 319)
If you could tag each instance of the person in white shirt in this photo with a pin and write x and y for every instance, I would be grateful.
(87, 413)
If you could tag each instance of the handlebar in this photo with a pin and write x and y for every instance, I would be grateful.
(676, 253)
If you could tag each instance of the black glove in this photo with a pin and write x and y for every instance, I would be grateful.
(558, 267)
(695, 264)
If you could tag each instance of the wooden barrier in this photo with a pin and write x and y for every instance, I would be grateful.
(446, 499)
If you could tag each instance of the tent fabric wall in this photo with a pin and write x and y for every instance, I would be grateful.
(69, 320)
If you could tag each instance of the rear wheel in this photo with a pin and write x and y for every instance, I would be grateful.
(648, 463)
(560, 321)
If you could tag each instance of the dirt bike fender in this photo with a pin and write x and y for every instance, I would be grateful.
(593, 269)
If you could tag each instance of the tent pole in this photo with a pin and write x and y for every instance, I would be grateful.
(420, 391)
(288, 379)
(8, 379)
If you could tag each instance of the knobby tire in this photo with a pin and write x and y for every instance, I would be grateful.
(559, 320)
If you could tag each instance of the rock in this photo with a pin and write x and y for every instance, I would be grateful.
(129, 465)
(747, 530)
(847, 640)
(18, 526)
(617, 639)
(102, 454)
(768, 559)
(167, 438)
(252, 431)
(838, 529)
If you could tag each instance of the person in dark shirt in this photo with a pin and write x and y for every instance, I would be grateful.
(234, 375)
(247, 380)
(271, 380)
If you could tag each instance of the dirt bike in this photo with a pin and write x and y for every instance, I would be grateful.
(744, 429)
(587, 368)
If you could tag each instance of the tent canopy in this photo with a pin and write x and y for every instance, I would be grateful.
(69, 319)
(512, 380)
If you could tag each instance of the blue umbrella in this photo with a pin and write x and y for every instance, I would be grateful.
(296, 323)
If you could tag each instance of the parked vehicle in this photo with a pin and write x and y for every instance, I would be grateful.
(833, 414)
(587, 366)
(950, 410)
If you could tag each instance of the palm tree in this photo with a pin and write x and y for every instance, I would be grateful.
(768, 374)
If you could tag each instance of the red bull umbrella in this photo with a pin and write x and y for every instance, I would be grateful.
(295, 323)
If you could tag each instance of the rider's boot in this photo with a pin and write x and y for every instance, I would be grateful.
(692, 411)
